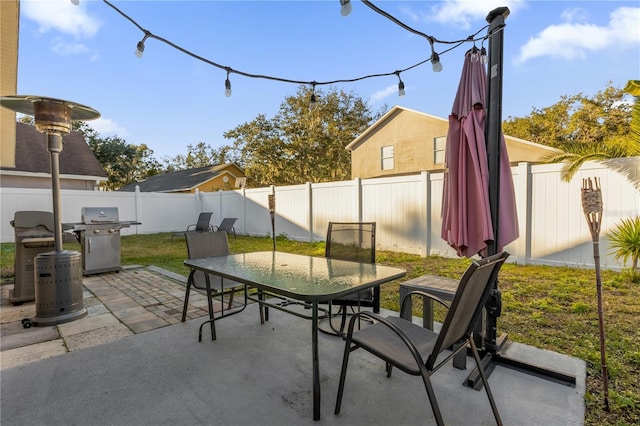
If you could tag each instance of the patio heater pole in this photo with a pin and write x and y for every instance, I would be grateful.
(58, 274)
(272, 212)
(592, 206)
(492, 345)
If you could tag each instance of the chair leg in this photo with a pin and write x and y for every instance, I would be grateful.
(432, 400)
(343, 373)
(186, 296)
(485, 382)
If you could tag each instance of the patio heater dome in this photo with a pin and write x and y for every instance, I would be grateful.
(58, 274)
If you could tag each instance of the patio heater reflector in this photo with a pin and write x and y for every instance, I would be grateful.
(58, 274)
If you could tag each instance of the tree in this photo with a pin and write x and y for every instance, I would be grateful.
(585, 129)
(200, 155)
(124, 163)
(304, 141)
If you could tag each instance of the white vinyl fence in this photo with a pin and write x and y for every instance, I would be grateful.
(553, 229)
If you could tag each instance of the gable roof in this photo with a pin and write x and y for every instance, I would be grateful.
(182, 180)
(32, 155)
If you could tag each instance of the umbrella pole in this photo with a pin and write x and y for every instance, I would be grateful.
(492, 345)
(592, 206)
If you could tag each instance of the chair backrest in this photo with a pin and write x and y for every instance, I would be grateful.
(468, 301)
(205, 244)
(203, 221)
(227, 224)
(351, 241)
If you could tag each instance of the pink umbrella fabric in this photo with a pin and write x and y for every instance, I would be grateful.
(466, 212)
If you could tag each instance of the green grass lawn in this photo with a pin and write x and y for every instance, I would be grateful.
(547, 307)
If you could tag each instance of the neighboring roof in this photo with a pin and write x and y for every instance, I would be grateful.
(32, 155)
(182, 180)
(397, 109)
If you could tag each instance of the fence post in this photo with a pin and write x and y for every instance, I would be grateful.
(310, 211)
(523, 203)
(425, 226)
(358, 199)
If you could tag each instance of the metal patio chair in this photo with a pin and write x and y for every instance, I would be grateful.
(355, 241)
(414, 349)
(211, 244)
(227, 225)
(202, 225)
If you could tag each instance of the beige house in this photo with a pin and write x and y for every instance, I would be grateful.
(404, 141)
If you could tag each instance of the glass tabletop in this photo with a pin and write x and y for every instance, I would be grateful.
(301, 277)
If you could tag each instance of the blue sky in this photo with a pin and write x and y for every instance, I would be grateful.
(168, 100)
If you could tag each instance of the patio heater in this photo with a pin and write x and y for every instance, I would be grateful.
(58, 274)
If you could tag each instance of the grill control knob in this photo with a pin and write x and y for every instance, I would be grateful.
(112, 231)
(96, 231)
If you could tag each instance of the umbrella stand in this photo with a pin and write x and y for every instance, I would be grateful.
(592, 206)
(492, 344)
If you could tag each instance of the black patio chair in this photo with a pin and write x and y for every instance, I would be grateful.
(211, 244)
(227, 225)
(355, 241)
(414, 349)
(202, 225)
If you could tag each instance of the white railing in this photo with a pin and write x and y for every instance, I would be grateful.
(553, 230)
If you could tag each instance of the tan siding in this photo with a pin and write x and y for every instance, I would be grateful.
(412, 134)
(9, 12)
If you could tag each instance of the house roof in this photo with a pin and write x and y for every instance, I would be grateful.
(32, 155)
(182, 180)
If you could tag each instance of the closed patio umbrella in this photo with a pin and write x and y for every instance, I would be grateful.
(466, 210)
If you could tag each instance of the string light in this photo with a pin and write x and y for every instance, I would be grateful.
(345, 7)
(75, 2)
(140, 47)
(227, 84)
(434, 58)
(400, 85)
(312, 100)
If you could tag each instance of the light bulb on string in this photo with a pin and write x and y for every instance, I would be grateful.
(483, 55)
(435, 58)
(75, 2)
(140, 46)
(345, 7)
(312, 100)
(435, 62)
(401, 92)
(227, 85)
(475, 54)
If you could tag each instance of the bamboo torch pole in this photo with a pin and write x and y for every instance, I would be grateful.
(272, 212)
(592, 206)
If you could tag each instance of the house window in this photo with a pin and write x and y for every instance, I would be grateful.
(439, 146)
(387, 157)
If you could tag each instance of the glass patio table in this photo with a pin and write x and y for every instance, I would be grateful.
(307, 279)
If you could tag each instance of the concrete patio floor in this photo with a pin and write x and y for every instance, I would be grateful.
(132, 362)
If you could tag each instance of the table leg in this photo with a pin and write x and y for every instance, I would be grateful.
(211, 320)
(316, 361)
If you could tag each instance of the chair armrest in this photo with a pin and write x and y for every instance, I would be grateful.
(189, 227)
(423, 294)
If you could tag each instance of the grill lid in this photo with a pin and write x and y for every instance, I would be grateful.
(98, 215)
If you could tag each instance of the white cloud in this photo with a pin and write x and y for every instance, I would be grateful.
(107, 127)
(61, 16)
(572, 39)
(65, 49)
(460, 13)
(383, 93)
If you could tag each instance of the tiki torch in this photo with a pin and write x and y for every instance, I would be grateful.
(592, 206)
(272, 212)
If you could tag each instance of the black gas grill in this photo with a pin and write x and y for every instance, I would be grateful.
(99, 237)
